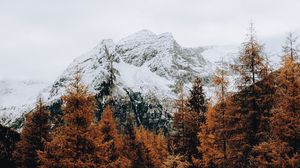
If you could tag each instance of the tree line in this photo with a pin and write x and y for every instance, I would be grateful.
(256, 126)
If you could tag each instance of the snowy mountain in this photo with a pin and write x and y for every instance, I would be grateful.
(17, 97)
(143, 63)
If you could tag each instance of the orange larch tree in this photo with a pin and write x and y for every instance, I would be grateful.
(71, 144)
(109, 145)
(286, 114)
(213, 135)
(153, 148)
(254, 98)
(34, 134)
(286, 120)
(283, 147)
(273, 153)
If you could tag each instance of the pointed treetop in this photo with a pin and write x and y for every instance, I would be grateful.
(252, 32)
(291, 48)
(76, 86)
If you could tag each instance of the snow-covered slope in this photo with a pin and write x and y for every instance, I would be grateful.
(143, 62)
(216, 54)
(17, 97)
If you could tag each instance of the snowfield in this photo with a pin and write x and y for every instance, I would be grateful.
(17, 97)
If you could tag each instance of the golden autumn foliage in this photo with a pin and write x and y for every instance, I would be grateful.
(208, 147)
(286, 119)
(213, 136)
(71, 145)
(80, 142)
(282, 150)
(34, 134)
(221, 137)
(281, 147)
(258, 126)
(175, 161)
(153, 148)
(108, 143)
(274, 154)
(249, 118)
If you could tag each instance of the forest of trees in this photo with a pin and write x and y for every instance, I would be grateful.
(258, 125)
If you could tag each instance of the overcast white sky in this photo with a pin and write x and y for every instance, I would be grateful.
(39, 38)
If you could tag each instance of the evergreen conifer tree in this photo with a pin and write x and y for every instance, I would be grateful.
(197, 101)
(187, 119)
(8, 141)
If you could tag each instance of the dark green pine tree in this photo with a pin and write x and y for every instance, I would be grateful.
(187, 120)
(33, 137)
(197, 101)
(132, 147)
(8, 140)
(112, 76)
(106, 88)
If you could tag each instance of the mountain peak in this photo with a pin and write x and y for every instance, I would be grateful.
(144, 31)
(142, 35)
(166, 35)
